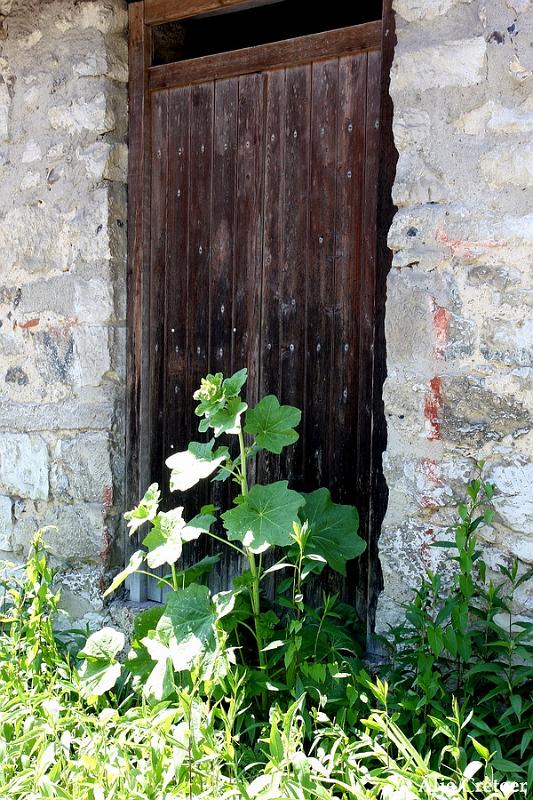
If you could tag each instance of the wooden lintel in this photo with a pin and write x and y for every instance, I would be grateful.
(157, 12)
(290, 52)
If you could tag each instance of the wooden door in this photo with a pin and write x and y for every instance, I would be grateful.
(261, 216)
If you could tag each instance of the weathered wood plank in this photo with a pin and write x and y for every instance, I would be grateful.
(273, 238)
(138, 383)
(222, 274)
(348, 234)
(295, 265)
(321, 278)
(160, 11)
(366, 313)
(249, 231)
(177, 274)
(158, 256)
(289, 52)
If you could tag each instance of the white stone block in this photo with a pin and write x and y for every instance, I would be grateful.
(451, 63)
(91, 358)
(509, 164)
(93, 114)
(6, 523)
(413, 10)
(24, 465)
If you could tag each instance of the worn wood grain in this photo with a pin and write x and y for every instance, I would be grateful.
(138, 383)
(158, 12)
(287, 53)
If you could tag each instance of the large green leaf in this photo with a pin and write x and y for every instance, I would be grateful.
(264, 517)
(186, 628)
(103, 644)
(146, 510)
(98, 677)
(194, 464)
(99, 672)
(164, 542)
(273, 425)
(132, 566)
(332, 530)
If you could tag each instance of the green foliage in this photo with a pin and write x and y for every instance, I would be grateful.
(272, 640)
(460, 647)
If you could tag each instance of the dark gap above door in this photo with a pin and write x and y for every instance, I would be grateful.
(218, 32)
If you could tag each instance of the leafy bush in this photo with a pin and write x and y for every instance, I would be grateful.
(461, 648)
(285, 647)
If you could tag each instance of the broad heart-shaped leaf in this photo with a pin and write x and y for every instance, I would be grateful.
(146, 510)
(132, 566)
(164, 542)
(193, 464)
(103, 645)
(264, 517)
(98, 677)
(273, 425)
(186, 628)
(332, 531)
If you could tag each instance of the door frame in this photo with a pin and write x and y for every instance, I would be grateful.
(143, 77)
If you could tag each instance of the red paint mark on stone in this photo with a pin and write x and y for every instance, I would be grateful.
(441, 321)
(465, 248)
(432, 409)
(425, 547)
(107, 497)
(31, 323)
(431, 469)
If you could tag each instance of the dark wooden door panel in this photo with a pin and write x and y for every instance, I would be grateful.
(262, 255)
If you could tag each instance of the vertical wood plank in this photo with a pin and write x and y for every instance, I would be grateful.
(295, 265)
(273, 251)
(249, 230)
(366, 313)
(198, 295)
(158, 257)
(348, 234)
(138, 375)
(321, 277)
(177, 275)
(222, 272)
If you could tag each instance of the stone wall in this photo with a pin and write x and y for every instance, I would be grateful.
(458, 323)
(63, 119)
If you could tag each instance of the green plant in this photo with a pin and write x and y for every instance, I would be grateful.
(460, 647)
(273, 642)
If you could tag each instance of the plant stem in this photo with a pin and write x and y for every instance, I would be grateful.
(255, 596)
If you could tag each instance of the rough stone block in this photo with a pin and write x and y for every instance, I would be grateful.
(24, 465)
(514, 494)
(76, 534)
(81, 469)
(471, 414)
(509, 164)
(416, 182)
(452, 63)
(69, 296)
(6, 523)
(91, 356)
(493, 117)
(414, 10)
(93, 115)
(69, 415)
(5, 105)
(508, 341)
